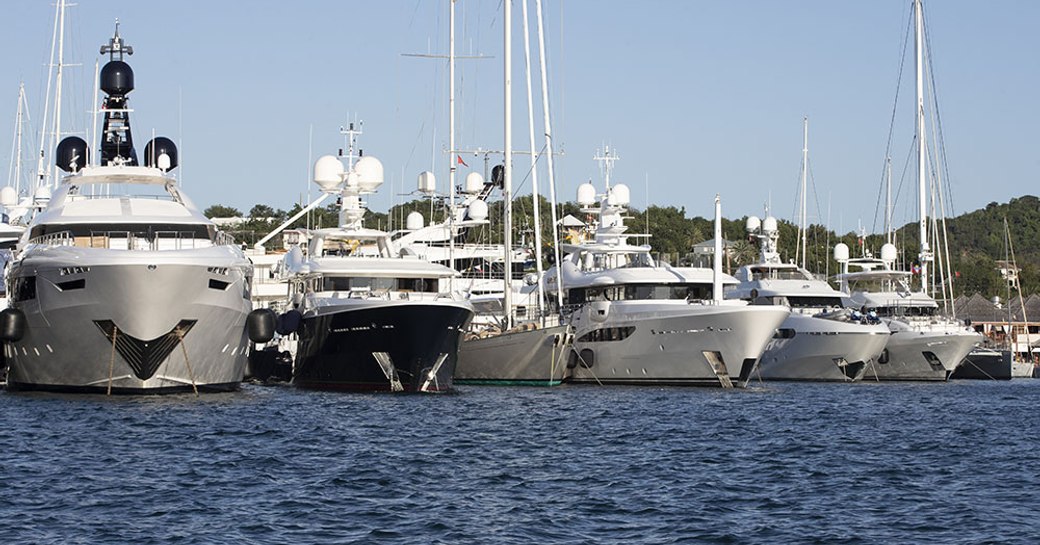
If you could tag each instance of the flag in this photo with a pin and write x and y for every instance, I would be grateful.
(460, 161)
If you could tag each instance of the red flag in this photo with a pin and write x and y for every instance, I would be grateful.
(460, 161)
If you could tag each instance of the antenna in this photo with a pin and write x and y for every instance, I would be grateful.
(116, 47)
(350, 135)
(606, 158)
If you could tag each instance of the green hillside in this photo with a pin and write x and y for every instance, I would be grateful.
(976, 239)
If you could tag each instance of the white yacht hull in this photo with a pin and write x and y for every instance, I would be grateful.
(818, 349)
(670, 343)
(922, 355)
(131, 322)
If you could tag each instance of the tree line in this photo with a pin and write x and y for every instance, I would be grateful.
(976, 239)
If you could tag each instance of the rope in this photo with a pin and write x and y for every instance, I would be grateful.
(112, 360)
(588, 368)
(184, 349)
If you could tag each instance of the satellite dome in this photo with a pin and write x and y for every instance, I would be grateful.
(753, 223)
(769, 225)
(427, 182)
(841, 252)
(72, 154)
(156, 148)
(620, 195)
(414, 221)
(370, 173)
(478, 210)
(42, 194)
(117, 78)
(474, 183)
(328, 172)
(8, 196)
(889, 253)
(586, 194)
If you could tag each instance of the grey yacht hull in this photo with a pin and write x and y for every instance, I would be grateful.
(130, 322)
(532, 357)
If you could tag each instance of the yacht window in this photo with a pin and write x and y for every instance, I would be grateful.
(906, 311)
(348, 283)
(767, 273)
(608, 334)
(814, 301)
(667, 291)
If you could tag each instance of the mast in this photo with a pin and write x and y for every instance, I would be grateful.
(41, 174)
(451, 141)
(549, 150)
(15, 170)
(922, 178)
(507, 174)
(534, 167)
(56, 134)
(888, 201)
(94, 103)
(805, 177)
(716, 269)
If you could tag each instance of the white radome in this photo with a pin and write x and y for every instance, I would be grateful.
(328, 172)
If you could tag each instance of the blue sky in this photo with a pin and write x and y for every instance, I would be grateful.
(698, 97)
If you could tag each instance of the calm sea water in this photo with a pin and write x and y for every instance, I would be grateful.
(779, 463)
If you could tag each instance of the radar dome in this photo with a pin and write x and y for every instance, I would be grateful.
(8, 196)
(117, 78)
(72, 154)
(42, 194)
(889, 253)
(620, 195)
(841, 252)
(414, 221)
(478, 210)
(370, 173)
(328, 172)
(427, 182)
(769, 225)
(474, 183)
(156, 148)
(586, 194)
(753, 223)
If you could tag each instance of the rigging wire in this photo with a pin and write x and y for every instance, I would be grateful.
(892, 120)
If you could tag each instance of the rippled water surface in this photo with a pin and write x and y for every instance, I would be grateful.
(779, 463)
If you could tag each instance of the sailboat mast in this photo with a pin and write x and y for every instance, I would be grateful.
(922, 149)
(18, 141)
(888, 201)
(805, 176)
(41, 164)
(534, 166)
(507, 174)
(56, 134)
(549, 149)
(451, 140)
